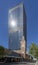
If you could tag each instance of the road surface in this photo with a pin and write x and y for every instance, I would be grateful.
(27, 63)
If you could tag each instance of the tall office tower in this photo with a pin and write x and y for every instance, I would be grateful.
(17, 27)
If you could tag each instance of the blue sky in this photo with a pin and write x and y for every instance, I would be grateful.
(31, 8)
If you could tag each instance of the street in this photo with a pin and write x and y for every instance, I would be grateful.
(17, 63)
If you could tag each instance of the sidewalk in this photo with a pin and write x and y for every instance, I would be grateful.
(36, 63)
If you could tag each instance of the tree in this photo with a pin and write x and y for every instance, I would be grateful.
(33, 50)
(1, 50)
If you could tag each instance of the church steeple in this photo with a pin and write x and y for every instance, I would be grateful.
(23, 46)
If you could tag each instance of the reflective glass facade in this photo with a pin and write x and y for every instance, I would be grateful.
(17, 26)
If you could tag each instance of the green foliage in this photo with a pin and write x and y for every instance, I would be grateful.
(33, 50)
(1, 50)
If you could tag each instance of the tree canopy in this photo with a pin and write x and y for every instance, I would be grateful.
(1, 50)
(34, 50)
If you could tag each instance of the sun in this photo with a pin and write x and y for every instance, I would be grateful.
(12, 23)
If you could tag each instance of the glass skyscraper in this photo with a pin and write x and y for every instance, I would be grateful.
(16, 26)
